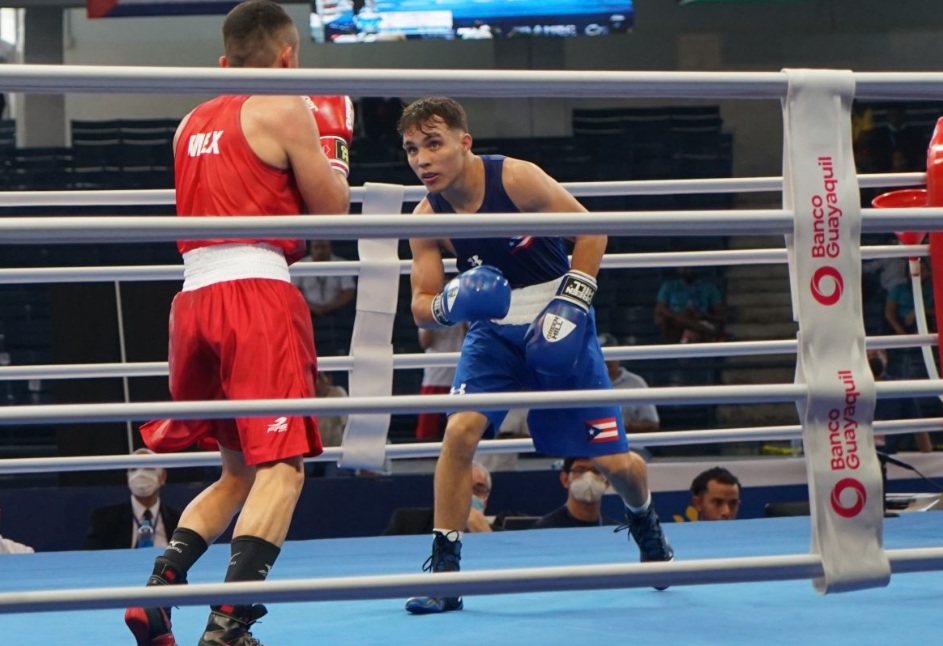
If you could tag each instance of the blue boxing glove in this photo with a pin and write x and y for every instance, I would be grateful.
(476, 294)
(554, 340)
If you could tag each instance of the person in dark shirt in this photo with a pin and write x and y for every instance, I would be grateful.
(585, 487)
(902, 408)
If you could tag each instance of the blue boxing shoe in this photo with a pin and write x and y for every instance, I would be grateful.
(646, 529)
(446, 555)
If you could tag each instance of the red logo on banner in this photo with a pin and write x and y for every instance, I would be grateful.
(837, 286)
(843, 485)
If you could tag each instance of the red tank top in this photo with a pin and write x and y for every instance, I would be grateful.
(217, 173)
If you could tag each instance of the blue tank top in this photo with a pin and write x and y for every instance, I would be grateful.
(524, 260)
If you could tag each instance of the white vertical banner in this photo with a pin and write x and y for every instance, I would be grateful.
(364, 443)
(821, 187)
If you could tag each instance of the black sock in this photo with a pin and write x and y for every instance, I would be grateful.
(252, 560)
(183, 550)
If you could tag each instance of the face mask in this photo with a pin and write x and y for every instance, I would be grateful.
(478, 503)
(588, 488)
(143, 482)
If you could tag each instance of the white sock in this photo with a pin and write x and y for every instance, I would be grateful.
(451, 534)
(645, 505)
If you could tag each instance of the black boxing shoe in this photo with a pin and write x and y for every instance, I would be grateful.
(646, 529)
(225, 628)
(446, 555)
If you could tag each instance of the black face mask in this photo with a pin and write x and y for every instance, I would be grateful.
(877, 367)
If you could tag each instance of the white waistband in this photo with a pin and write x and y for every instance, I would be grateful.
(224, 262)
(528, 302)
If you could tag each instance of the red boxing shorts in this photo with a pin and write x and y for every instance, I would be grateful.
(241, 339)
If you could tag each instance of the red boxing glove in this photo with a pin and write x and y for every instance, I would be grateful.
(335, 118)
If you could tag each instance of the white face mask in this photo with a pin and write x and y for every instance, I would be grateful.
(143, 482)
(588, 488)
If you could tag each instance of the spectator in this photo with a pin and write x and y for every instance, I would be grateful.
(437, 380)
(638, 418)
(419, 520)
(689, 310)
(887, 272)
(118, 526)
(901, 315)
(514, 427)
(903, 408)
(715, 494)
(331, 427)
(878, 146)
(8, 546)
(327, 297)
(585, 487)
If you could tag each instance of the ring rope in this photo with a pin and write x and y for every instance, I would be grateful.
(34, 275)
(411, 404)
(158, 197)
(113, 229)
(432, 449)
(59, 79)
(480, 582)
(407, 361)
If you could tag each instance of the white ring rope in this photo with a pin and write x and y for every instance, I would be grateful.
(33, 275)
(59, 79)
(157, 197)
(14, 466)
(410, 361)
(481, 582)
(410, 404)
(111, 229)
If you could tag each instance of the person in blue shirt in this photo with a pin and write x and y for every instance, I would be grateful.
(532, 326)
(689, 310)
(901, 316)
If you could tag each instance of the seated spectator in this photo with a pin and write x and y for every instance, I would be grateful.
(901, 315)
(331, 427)
(585, 487)
(715, 494)
(8, 546)
(327, 297)
(514, 427)
(437, 380)
(418, 520)
(887, 273)
(638, 418)
(897, 408)
(119, 526)
(688, 310)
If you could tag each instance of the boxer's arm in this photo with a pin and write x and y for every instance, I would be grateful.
(283, 133)
(426, 276)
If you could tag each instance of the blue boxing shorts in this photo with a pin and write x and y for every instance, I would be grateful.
(492, 361)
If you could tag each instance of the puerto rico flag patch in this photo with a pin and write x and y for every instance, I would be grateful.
(602, 430)
(519, 243)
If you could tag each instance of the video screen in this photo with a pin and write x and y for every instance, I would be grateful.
(360, 21)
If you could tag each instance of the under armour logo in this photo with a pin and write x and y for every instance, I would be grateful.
(457, 391)
(476, 261)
